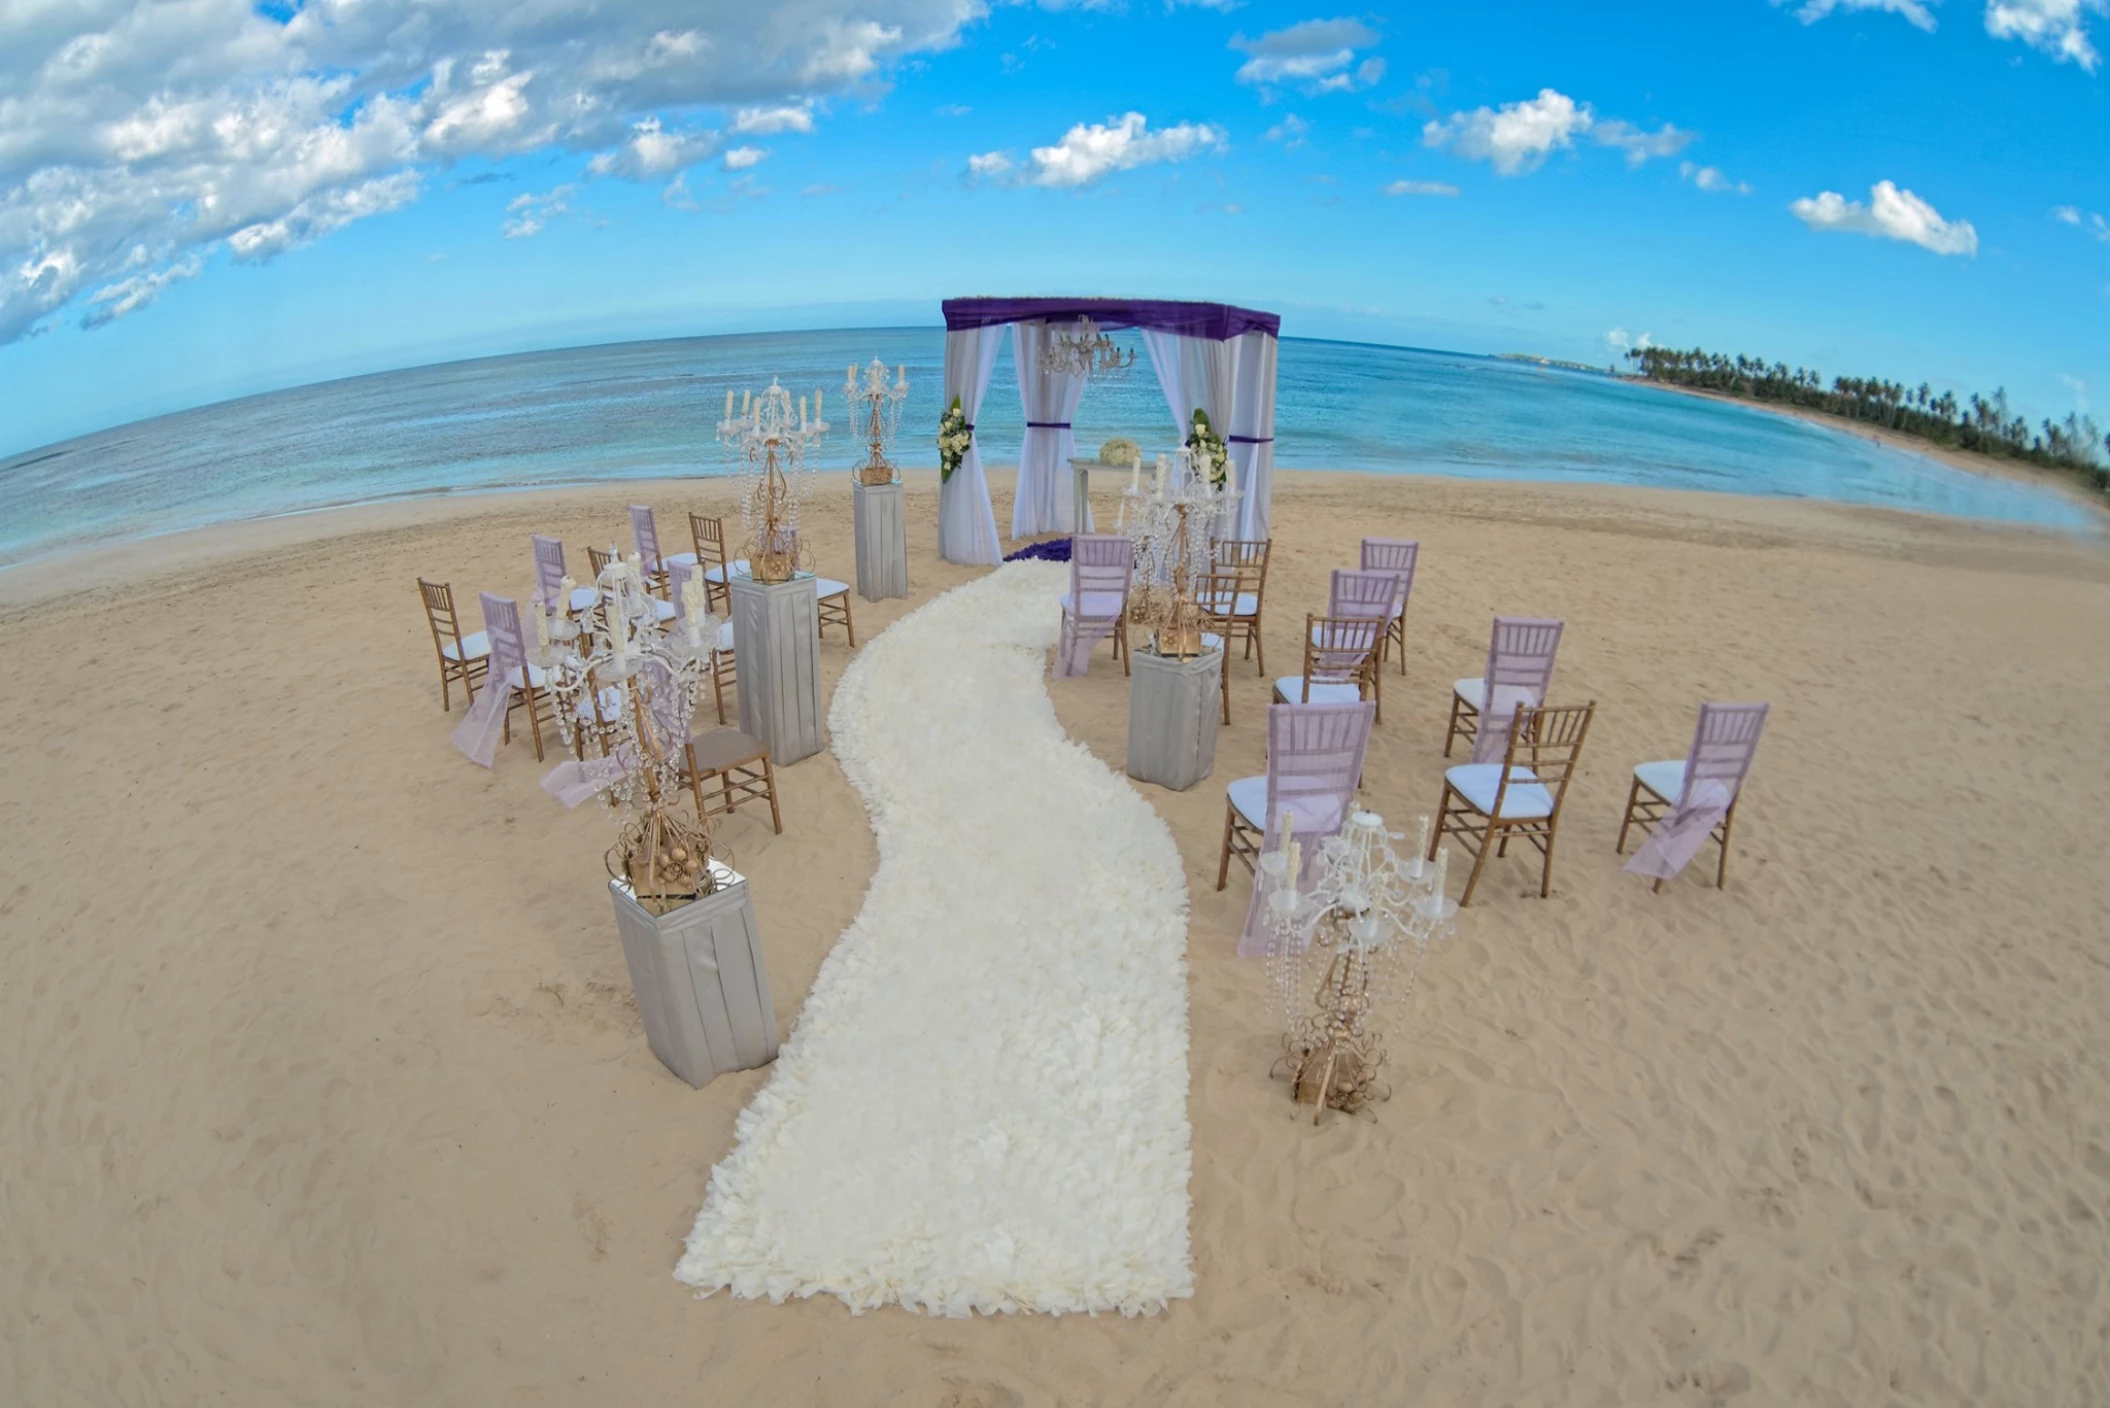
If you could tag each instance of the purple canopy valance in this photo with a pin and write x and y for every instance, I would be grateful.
(1218, 322)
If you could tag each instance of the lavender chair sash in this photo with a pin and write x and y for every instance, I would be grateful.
(1722, 748)
(1520, 657)
(573, 781)
(1100, 568)
(1393, 555)
(1358, 592)
(1314, 766)
(1340, 648)
(646, 534)
(478, 733)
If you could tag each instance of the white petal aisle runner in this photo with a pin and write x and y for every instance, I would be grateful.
(983, 1105)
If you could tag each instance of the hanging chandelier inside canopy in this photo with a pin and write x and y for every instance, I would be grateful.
(1085, 352)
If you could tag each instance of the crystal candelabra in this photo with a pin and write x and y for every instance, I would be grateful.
(1173, 524)
(619, 681)
(1361, 919)
(1085, 352)
(875, 407)
(770, 437)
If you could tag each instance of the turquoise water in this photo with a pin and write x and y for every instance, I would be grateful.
(646, 409)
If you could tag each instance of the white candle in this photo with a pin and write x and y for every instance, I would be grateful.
(1135, 474)
(747, 399)
(541, 625)
(816, 404)
(565, 587)
(1421, 842)
(1289, 826)
(1443, 863)
(728, 403)
(901, 373)
(1296, 852)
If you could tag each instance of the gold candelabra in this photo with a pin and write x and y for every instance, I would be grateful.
(771, 435)
(877, 403)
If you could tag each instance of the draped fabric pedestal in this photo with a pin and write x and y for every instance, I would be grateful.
(882, 541)
(1172, 717)
(702, 989)
(776, 641)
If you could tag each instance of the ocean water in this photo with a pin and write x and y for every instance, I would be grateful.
(646, 409)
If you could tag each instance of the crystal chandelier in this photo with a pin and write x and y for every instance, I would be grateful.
(1173, 523)
(770, 437)
(1085, 352)
(1360, 921)
(875, 408)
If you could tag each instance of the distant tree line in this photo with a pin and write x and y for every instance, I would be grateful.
(1984, 424)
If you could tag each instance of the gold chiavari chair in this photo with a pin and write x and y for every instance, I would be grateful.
(737, 766)
(1248, 558)
(709, 537)
(464, 658)
(1340, 663)
(1488, 805)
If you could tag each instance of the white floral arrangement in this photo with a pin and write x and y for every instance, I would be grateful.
(1121, 452)
(954, 436)
(1208, 448)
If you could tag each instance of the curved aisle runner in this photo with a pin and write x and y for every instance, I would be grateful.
(983, 1104)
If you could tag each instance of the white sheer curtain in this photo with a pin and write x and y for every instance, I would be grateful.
(1198, 372)
(966, 522)
(1251, 437)
(1044, 500)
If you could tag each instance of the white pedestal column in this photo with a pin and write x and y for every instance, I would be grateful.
(1173, 708)
(701, 986)
(776, 642)
(882, 541)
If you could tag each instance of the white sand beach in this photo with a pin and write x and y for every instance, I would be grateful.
(323, 1082)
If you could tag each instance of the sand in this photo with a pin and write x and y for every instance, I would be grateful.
(322, 1083)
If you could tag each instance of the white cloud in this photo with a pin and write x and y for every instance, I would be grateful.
(529, 213)
(1913, 12)
(991, 166)
(954, 110)
(1516, 137)
(1890, 214)
(2057, 27)
(1421, 188)
(113, 301)
(1289, 132)
(2090, 221)
(769, 121)
(1318, 53)
(1619, 343)
(1639, 144)
(1711, 179)
(745, 158)
(172, 126)
(650, 151)
(2079, 387)
(1088, 152)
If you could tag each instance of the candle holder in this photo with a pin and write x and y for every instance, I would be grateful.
(1173, 527)
(656, 680)
(769, 438)
(1362, 922)
(875, 406)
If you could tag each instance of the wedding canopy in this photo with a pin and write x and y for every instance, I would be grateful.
(1208, 356)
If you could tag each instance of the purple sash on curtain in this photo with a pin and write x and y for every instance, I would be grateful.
(1672, 845)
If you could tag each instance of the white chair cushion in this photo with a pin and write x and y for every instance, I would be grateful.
(585, 598)
(1248, 604)
(1526, 798)
(1248, 795)
(1290, 690)
(474, 647)
(1665, 779)
(534, 677)
(825, 587)
(725, 636)
(1098, 606)
(719, 574)
(1470, 690)
(662, 610)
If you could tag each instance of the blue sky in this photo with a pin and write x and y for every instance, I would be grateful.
(202, 198)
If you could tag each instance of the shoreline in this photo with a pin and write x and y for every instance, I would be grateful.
(1968, 461)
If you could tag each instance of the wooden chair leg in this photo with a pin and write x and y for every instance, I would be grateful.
(1223, 683)
(535, 718)
(1633, 795)
(1399, 634)
(849, 625)
(769, 776)
(1546, 875)
(1451, 735)
(446, 707)
(695, 781)
(1721, 870)
(1259, 646)
(1487, 843)
(1223, 862)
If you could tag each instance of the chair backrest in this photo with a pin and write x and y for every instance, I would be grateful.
(1315, 758)
(599, 560)
(1723, 745)
(502, 625)
(1393, 555)
(1338, 649)
(1216, 593)
(549, 570)
(1520, 656)
(646, 536)
(1248, 558)
(1100, 562)
(1363, 593)
(439, 614)
(1548, 741)
(709, 537)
